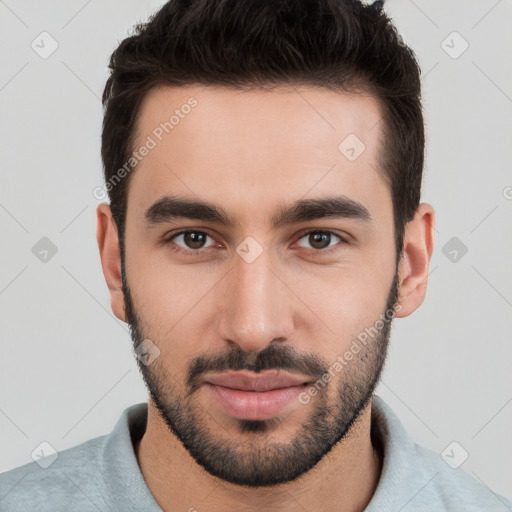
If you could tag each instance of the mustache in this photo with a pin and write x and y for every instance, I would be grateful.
(273, 357)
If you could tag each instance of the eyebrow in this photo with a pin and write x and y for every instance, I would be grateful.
(169, 208)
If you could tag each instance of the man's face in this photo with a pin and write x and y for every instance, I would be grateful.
(305, 297)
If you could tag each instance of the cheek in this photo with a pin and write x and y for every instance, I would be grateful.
(349, 295)
(173, 304)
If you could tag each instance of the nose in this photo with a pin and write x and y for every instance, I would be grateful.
(257, 306)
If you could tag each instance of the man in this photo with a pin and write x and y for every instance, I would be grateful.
(263, 162)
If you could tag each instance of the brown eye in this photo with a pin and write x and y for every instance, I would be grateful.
(194, 240)
(320, 240)
(190, 240)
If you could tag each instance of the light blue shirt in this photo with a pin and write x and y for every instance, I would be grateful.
(103, 475)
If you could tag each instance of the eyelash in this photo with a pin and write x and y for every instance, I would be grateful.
(169, 242)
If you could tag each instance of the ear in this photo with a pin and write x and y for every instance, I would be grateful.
(415, 260)
(108, 243)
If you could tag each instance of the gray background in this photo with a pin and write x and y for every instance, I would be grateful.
(66, 366)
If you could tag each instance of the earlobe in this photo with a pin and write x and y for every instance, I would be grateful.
(414, 263)
(108, 244)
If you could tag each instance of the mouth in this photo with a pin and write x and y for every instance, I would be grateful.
(253, 396)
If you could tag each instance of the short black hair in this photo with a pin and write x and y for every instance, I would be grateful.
(342, 45)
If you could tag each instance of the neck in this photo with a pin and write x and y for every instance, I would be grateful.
(344, 480)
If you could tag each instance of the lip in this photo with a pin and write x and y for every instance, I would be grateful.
(259, 382)
(255, 397)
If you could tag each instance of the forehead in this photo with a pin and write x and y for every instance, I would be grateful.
(251, 150)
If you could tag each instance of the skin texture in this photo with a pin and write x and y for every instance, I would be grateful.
(251, 153)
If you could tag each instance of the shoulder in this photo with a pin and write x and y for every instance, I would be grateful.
(451, 488)
(74, 477)
(417, 479)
